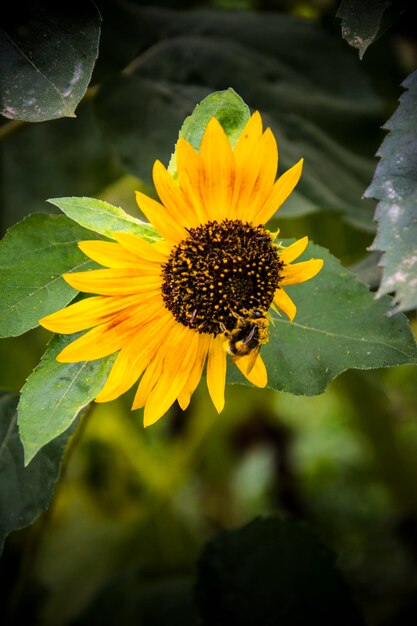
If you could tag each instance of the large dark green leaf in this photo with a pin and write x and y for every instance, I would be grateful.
(272, 572)
(48, 50)
(54, 395)
(339, 325)
(33, 256)
(395, 186)
(361, 21)
(25, 491)
(58, 158)
(141, 119)
(200, 52)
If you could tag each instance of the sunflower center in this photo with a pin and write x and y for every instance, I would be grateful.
(220, 272)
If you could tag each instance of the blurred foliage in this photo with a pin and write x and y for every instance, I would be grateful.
(134, 510)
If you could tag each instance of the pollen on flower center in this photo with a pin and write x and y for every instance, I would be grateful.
(219, 271)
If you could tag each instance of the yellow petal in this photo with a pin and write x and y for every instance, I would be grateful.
(172, 197)
(300, 272)
(190, 386)
(108, 254)
(149, 378)
(258, 375)
(188, 164)
(113, 334)
(85, 314)
(95, 344)
(257, 177)
(177, 366)
(268, 156)
(217, 171)
(284, 302)
(169, 228)
(287, 255)
(134, 358)
(243, 156)
(247, 140)
(112, 282)
(141, 248)
(163, 247)
(216, 372)
(280, 192)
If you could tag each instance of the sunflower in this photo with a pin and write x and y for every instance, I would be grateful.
(173, 307)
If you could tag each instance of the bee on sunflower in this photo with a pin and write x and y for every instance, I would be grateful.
(173, 307)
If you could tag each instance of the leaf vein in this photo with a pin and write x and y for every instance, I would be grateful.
(54, 87)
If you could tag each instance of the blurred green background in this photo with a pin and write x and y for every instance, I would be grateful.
(124, 540)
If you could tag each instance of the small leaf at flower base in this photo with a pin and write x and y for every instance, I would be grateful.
(361, 21)
(338, 326)
(272, 572)
(227, 106)
(33, 256)
(103, 218)
(48, 50)
(26, 491)
(395, 186)
(55, 393)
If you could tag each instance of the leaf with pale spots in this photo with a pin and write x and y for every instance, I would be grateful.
(55, 393)
(361, 21)
(339, 325)
(395, 186)
(104, 218)
(48, 51)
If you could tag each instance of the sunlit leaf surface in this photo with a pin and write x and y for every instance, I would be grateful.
(33, 256)
(54, 395)
(48, 51)
(103, 218)
(395, 186)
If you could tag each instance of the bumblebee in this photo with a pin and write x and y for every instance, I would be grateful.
(247, 337)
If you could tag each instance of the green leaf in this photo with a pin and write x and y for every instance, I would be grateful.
(361, 21)
(48, 51)
(272, 572)
(339, 325)
(127, 108)
(26, 491)
(33, 256)
(335, 129)
(395, 186)
(55, 393)
(103, 218)
(227, 106)
(58, 158)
